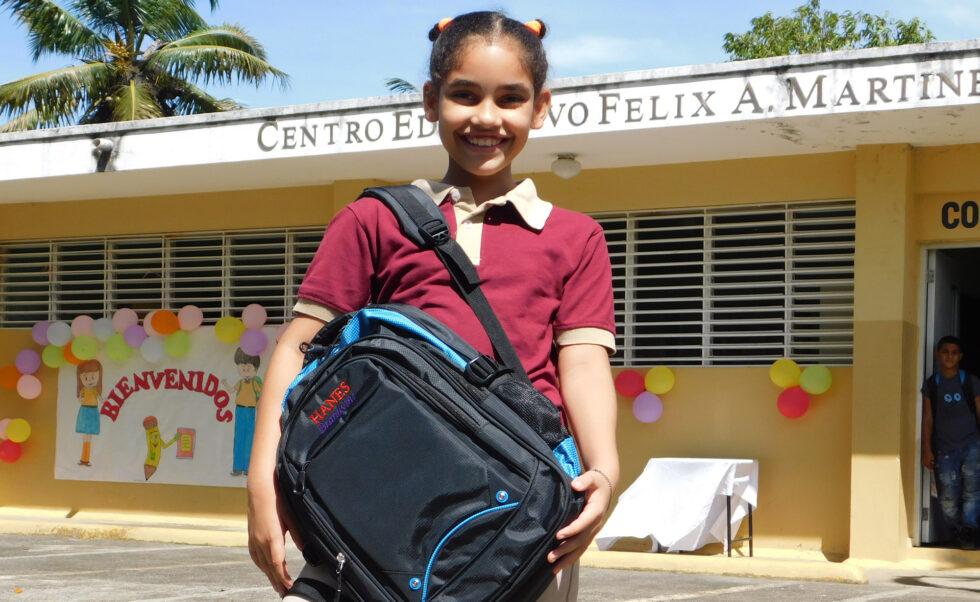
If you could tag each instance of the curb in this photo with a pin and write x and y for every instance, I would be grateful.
(772, 568)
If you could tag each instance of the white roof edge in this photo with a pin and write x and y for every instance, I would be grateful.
(782, 63)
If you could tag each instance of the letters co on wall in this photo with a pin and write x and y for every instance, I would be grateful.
(960, 214)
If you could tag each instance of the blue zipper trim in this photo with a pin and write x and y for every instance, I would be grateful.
(567, 456)
(360, 322)
(445, 538)
(303, 373)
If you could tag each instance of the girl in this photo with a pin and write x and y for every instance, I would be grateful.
(545, 270)
(88, 376)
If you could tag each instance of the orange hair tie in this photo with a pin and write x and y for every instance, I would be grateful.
(534, 26)
(443, 24)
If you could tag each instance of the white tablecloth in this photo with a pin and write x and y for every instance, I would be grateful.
(680, 502)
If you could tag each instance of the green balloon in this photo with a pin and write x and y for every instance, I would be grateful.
(816, 380)
(53, 356)
(177, 344)
(117, 349)
(85, 347)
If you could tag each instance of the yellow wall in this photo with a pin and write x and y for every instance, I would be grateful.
(713, 412)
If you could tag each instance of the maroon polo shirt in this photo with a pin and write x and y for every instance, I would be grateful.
(539, 282)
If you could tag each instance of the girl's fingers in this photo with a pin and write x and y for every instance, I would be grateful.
(589, 516)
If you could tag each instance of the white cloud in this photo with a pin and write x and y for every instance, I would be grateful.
(587, 51)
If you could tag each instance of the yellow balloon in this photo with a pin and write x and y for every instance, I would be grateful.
(784, 373)
(659, 380)
(229, 329)
(816, 380)
(18, 430)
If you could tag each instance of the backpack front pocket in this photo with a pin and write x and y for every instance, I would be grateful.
(396, 501)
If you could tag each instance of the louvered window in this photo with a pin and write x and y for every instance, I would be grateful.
(734, 285)
(219, 272)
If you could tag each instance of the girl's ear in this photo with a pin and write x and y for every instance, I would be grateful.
(542, 104)
(430, 102)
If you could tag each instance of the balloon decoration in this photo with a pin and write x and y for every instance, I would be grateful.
(85, 347)
(648, 407)
(3, 427)
(148, 324)
(784, 373)
(798, 385)
(165, 322)
(10, 451)
(9, 377)
(103, 329)
(59, 333)
(39, 332)
(177, 344)
(18, 430)
(190, 317)
(253, 342)
(70, 357)
(82, 326)
(152, 349)
(13, 433)
(124, 318)
(134, 335)
(28, 386)
(254, 316)
(53, 357)
(229, 329)
(629, 383)
(646, 391)
(117, 349)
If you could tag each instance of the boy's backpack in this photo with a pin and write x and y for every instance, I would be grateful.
(416, 468)
(932, 389)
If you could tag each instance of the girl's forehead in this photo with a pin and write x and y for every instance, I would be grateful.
(484, 60)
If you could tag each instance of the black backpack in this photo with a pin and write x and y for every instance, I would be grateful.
(416, 468)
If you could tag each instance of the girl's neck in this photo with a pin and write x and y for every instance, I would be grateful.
(483, 188)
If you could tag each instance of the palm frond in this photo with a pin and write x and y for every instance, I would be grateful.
(28, 120)
(215, 63)
(400, 86)
(53, 29)
(134, 100)
(230, 35)
(181, 97)
(168, 19)
(55, 92)
(101, 16)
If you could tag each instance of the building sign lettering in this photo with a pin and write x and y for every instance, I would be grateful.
(955, 214)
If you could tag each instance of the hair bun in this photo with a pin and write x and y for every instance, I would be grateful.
(438, 28)
(537, 27)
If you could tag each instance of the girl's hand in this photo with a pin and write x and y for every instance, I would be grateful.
(268, 522)
(576, 536)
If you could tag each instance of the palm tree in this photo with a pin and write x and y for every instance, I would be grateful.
(138, 59)
(401, 86)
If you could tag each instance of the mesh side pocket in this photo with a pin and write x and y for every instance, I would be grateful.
(535, 409)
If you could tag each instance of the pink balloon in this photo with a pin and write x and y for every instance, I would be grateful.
(82, 326)
(793, 402)
(28, 361)
(190, 317)
(629, 383)
(39, 332)
(254, 316)
(28, 386)
(148, 324)
(124, 318)
(253, 342)
(135, 335)
(647, 407)
(3, 427)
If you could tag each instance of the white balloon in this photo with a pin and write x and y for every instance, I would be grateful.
(152, 349)
(103, 329)
(59, 333)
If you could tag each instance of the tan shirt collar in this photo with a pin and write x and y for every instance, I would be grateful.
(524, 198)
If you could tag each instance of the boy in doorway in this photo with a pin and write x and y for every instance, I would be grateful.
(951, 440)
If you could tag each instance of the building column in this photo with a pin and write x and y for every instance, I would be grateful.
(884, 348)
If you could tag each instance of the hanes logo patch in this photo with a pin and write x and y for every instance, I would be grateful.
(333, 407)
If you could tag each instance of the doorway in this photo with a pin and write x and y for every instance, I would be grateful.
(952, 307)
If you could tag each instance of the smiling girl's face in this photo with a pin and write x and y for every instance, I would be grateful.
(89, 379)
(486, 108)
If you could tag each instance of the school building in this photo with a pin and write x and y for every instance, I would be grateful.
(824, 208)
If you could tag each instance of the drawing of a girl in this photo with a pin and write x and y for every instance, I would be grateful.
(89, 379)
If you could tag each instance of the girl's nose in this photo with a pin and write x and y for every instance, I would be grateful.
(486, 114)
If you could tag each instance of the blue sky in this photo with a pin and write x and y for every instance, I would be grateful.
(346, 49)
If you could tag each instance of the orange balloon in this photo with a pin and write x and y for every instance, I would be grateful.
(165, 322)
(9, 375)
(69, 356)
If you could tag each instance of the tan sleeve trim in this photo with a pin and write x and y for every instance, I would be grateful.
(588, 335)
(315, 310)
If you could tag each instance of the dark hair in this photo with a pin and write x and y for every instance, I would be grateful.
(449, 40)
(949, 339)
(243, 358)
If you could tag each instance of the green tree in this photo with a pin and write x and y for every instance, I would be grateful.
(401, 86)
(137, 59)
(810, 29)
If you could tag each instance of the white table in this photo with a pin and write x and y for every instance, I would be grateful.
(681, 503)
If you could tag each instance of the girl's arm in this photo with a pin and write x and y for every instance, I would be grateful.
(590, 402)
(267, 520)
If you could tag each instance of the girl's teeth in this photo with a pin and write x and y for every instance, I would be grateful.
(483, 141)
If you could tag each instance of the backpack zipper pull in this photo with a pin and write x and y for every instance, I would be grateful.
(300, 487)
(341, 561)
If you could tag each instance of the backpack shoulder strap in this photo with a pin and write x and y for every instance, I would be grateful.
(967, 380)
(422, 222)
